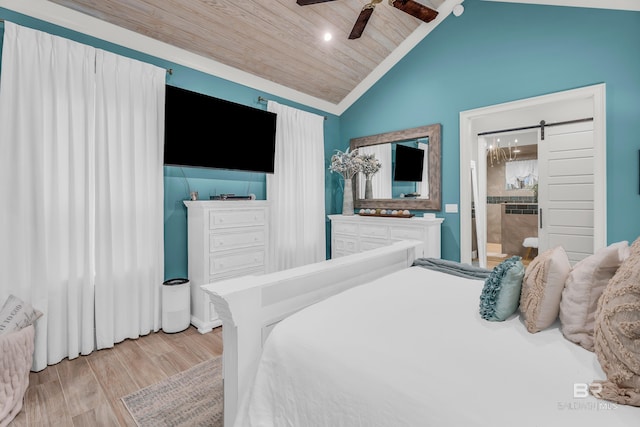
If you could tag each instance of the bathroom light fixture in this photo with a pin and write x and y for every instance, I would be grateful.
(516, 149)
(498, 154)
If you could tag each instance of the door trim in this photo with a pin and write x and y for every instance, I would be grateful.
(469, 122)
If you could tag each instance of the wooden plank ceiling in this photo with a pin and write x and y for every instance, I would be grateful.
(277, 40)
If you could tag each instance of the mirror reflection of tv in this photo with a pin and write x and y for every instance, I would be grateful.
(204, 131)
(409, 164)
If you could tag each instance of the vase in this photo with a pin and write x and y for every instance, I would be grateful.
(368, 189)
(347, 197)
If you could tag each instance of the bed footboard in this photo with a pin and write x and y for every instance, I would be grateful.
(250, 306)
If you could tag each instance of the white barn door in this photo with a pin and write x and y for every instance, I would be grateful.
(566, 159)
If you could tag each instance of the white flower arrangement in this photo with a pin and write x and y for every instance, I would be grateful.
(347, 163)
(370, 165)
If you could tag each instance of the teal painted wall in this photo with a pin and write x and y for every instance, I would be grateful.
(498, 52)
(178, 181)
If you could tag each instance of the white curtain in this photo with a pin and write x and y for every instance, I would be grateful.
(296, 189)
(381, 181)
(130, 197)
(423, 186)
(48, 171)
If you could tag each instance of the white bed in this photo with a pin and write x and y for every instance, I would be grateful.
(406, 348)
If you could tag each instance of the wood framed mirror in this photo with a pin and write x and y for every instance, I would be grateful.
(400, 182)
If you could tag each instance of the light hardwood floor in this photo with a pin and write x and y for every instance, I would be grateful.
(496, 248)
(86, 391)
(493, 261)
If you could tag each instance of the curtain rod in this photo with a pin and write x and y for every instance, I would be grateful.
(169, 70)
(265, 100)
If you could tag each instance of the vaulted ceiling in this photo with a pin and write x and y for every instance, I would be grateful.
(277, 40)
(273, 45)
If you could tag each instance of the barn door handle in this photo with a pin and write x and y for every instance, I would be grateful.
(540, 216)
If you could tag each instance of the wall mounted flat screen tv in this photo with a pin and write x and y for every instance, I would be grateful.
(409, 163)
(204, 131)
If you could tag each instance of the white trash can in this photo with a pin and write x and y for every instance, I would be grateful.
(176, 301)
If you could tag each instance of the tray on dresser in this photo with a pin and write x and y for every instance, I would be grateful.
(387, 215)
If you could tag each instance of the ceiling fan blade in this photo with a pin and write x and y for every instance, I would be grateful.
(362, 20)
(415, 9)
(306, 2)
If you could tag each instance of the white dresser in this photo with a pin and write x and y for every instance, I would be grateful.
(226, 238)
(355, 233)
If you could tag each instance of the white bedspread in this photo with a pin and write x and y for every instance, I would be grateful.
(410, 349)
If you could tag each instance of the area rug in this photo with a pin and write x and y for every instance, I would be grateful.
(189, 398)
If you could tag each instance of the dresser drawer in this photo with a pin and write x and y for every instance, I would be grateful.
(254, 271)
(345, 244)
(407, 233)
(233, 261)
(342, 228)
(376, 231)
(368, 244)
(235, 218)
(238, 238)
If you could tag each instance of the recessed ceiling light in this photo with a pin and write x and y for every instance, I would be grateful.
(327, 36)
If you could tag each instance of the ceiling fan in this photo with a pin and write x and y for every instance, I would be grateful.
(411, 7)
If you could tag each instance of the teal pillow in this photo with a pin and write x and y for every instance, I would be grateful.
(500, 295)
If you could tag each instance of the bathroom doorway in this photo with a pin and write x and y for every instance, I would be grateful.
(555, 108)
(511, 195)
